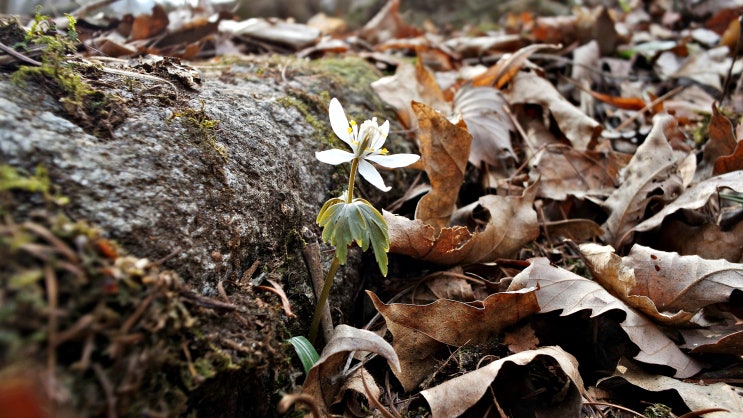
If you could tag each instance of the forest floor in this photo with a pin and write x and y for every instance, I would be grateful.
(570, 243)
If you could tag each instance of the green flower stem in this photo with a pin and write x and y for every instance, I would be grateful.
(352, 179)
(323, 299)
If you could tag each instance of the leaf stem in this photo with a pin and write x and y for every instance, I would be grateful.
(323, 299)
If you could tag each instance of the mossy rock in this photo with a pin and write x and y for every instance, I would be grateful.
(202, 201)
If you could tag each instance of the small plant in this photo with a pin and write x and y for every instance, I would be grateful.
(346, 219)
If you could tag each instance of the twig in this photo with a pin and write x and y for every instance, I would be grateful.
(57, 243)
(206, 302)
(289, 400)
(52, 295)
(187, 353)
(18, 55)
(107, 389)
(374, 401)
(611, 405)
(249, 272)
(168, 257)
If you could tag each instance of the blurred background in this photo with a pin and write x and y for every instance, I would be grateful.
(355, 12)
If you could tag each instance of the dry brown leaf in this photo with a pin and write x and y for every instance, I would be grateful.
(607, 268)
(445, 285)
(721, 140)
(696, 397)
(323, 383)
(651, 174)
(521, 339)
(695, 197)
(280, 32)
(484, 111)
(507, 67)
(578, 128)
(455, 396)
(730, 163)
(388, 24)
(715, 339)
(707, 240)
(512, 224)
(677, 282)
(562, 290)
(420, 330)
(565, 171)
(362, 383)
(147, 26)
(411, 83)
(444, 148)
(578, 230)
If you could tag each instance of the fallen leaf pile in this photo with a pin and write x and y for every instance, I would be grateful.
(577, 242)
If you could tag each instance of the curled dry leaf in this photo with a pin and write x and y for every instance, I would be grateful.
(512, 224)
(686, 283)
(420, 330)
(721, 140)
(444, 150)
(607, 269)
(695, 197)
(651, 174)
(388, 24)
(455, 396)
(730, 163)
(562, 290)
(578, 128)
(484, 111)
(696, 397)
(507, 67)
(323, 383)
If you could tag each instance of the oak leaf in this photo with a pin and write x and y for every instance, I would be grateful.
(565, 291)
(419, 331)
(444, 148)
(696, 397)
(651, 174)
(512, 224)
(455, 396)
(579, 129)
(686, 283)
(322, 383)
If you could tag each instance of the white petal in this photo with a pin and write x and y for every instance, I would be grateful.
(385, 128)
(370, 174)
(339, 121)
(394, 160)
(334, 156)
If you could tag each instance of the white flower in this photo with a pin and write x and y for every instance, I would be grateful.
(366, 143)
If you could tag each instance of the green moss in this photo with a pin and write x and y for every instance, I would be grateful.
(303, 103)
(203, 130)
(657, 411)
(93, 110)
(15, 179)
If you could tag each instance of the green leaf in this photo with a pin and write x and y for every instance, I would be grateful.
(345, 223)
(306, 352)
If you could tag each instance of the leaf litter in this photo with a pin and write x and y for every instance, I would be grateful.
(610, 199)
